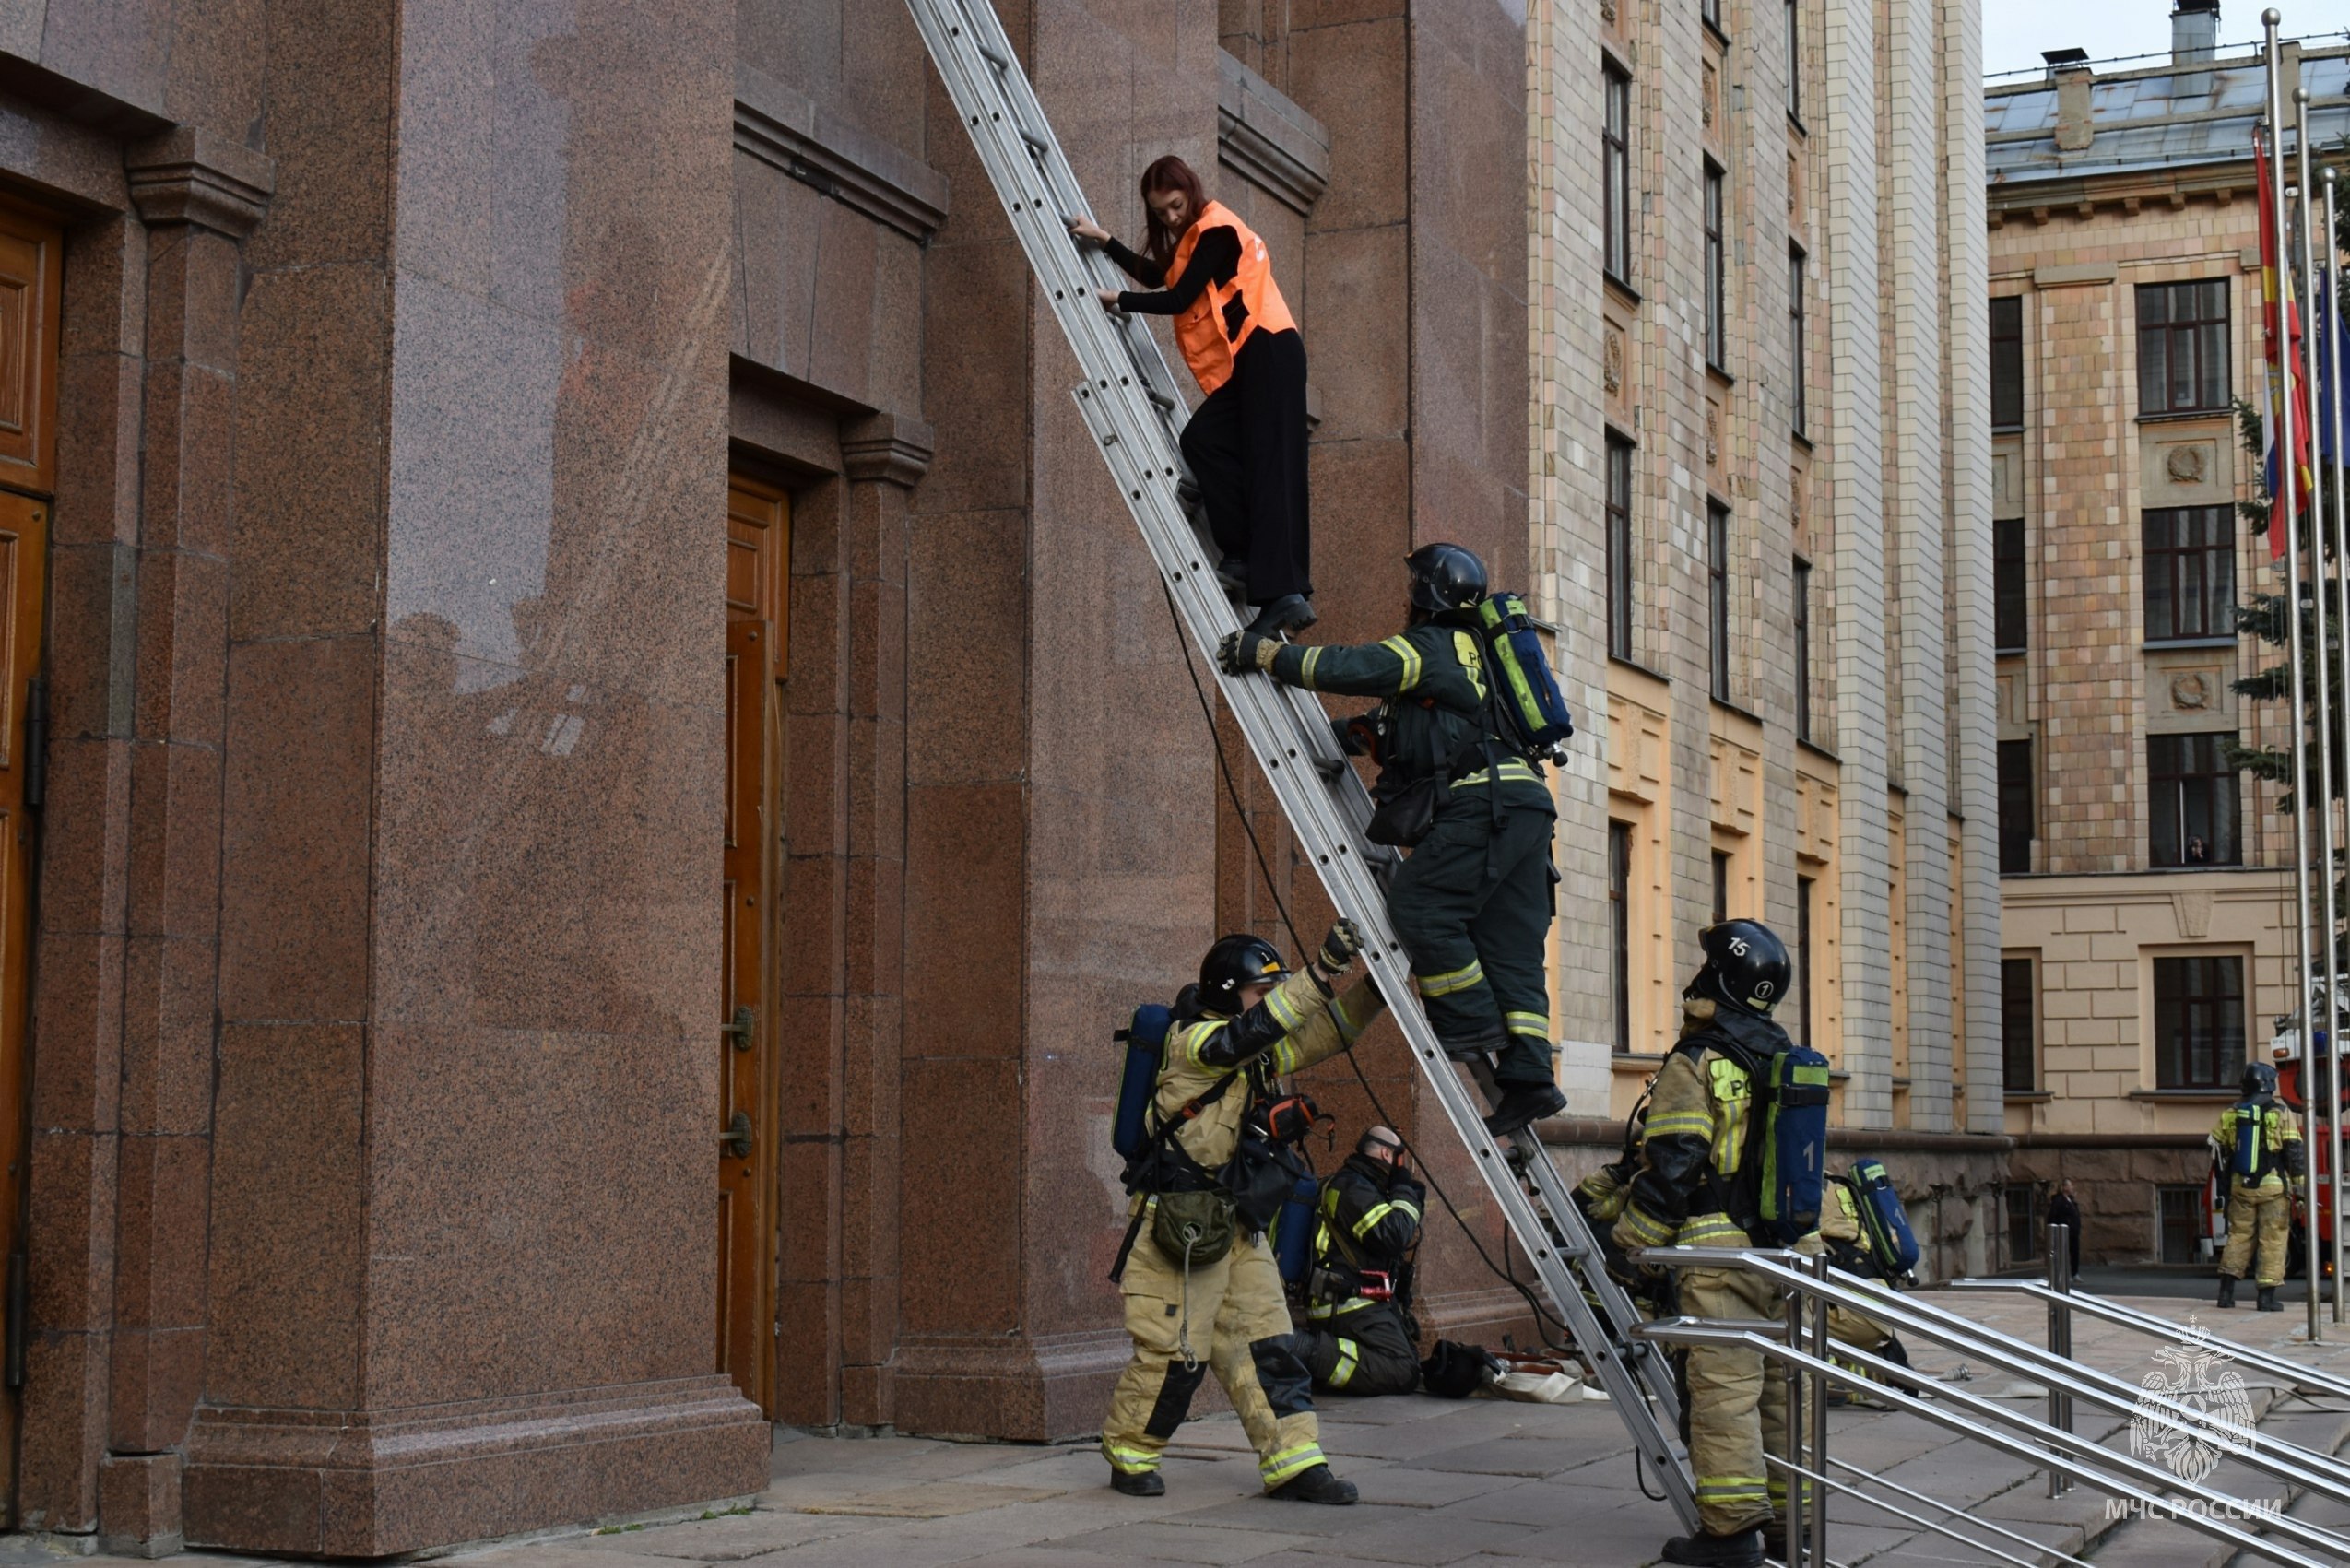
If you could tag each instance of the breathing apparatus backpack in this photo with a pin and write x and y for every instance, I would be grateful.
(1145, 1038)
(2251, 1162)
(1533, 715)
(1885, 1223)
(1776, 1188)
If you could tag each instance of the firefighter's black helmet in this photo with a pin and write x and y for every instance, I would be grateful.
(1235, 962)
(2259, 1081)
(1745, 966)
(1446, 577)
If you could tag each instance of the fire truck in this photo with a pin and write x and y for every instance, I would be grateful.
(2285, 1052)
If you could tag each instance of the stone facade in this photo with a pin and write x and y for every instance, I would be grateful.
(1867, 164)
(2091, 916)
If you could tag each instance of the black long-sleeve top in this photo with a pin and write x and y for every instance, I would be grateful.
(1214, 259)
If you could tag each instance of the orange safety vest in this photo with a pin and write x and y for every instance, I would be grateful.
(1227, 314)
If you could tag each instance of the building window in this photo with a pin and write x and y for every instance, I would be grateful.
(2180, 1208)
(2011, 616)
(1618, 547)
(1804, 959)
(1794, 62)
(2191, 799)
(2019, 1025)
(1710, 11)
(1716, 277)
(2182, 346)
(2191, 573)
(2007, 363)
(1802, 649)
(1717, 585)
(2023, 1202)
(1620, 928)
(1721, 886)
(2199, 1022)
(1615, 159)
(2018, 797)
(1795, 329)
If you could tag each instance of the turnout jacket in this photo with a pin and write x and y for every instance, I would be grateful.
(2282, 1154)
(1297, 1024)
(1364, 1222)
(1697, 1134)
(1435, 717)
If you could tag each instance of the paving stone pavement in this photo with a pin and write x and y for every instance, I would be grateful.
(1466, 1484)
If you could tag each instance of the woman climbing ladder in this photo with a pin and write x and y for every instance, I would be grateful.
(1246, 443)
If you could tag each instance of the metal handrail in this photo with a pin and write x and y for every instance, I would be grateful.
(2155, 1490)
(1917, 1496)
(2303, 1377)
(1936, 1527)
(2265, 1452)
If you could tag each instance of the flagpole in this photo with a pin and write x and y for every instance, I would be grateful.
(2299, 727)
(2332, 253)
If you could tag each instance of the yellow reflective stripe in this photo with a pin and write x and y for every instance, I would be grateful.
(1283, 1008)
(1130, 1461)
(1537, 1024)
(1402, 649)
(1306, 669)
(1348, 1028)
(1330, 1201)
(1644, 1227)
(1452, 980)
(1286, 1057)
(1732, 1142)
(1370, 1217)
(1289, 1463)
(1711, 1229)
(1322, 1312)
(1408, 1206)
(1681, 1123)
(1464, 649)
(1197, 1036)
(1509, 770)
(1731, 1488)
(1343, 1373)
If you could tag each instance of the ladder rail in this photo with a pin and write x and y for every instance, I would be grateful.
(1129, 406)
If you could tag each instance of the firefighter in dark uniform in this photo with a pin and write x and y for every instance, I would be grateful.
(2259, 1205)
(1473, 902)
(1368, 1224)
(1687, 1191)
(1249, 1022)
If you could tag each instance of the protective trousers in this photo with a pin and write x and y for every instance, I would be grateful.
(1232, 1316)
(1367, 1350)
(1247, 447)
(1737, 1409)
(2262, 1215)
(1472, 906)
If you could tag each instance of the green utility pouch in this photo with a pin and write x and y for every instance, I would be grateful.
(1193, 1229)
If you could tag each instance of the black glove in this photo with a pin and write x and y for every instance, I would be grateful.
(1340, 947)
(1358, 737)
(1244, 653)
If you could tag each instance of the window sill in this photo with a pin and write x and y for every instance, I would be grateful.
(1714, 31)
(2182, 416)
(2007, 430)
(1800, 439)
(1620, 289)
(2028, 1097)
(2186, 1096)
(1795, 123)
(1727, 706)
(2206, 865)
(2009, 652)
(1719, 376)
(1816, 749)
(2164, 644)
(1634, 1062)
(1644, 669)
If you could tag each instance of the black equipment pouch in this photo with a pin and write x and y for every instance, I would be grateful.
(1193, 1229)
(1405, 814)
(1259, 1181)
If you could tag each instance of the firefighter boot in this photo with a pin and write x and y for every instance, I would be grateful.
(1743, 1550)
(1290, 612)
(1316, 1485)
(1524, 1102)
(2227, 1290)
(2268, 1300)
(1138, 1483)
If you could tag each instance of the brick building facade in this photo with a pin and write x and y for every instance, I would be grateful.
(2147, 944)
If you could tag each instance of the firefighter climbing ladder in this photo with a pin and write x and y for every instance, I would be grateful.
(1130, 405)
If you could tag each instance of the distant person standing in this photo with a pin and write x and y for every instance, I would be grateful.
(1246, 443)
(2064, 1209)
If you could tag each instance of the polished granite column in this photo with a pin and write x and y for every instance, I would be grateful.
(462, 1259)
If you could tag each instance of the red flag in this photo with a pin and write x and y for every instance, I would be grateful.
(2277, 285)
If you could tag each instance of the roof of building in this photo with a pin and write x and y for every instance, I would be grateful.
(2161, 118)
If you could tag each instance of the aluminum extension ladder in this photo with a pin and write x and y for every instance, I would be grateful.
(1129, 403)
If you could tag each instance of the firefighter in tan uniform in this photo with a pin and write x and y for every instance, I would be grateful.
(1691, 1156)
(1249, 1022)
(2256, 1146)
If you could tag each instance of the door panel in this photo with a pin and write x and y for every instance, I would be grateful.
(24, 525)
(758, 533)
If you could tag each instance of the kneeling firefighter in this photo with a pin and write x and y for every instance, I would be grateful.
(1732, 1083)
(1360, 1335)
(2257, 1147)
(1202, 1287)
(1460, 787)
(1866, 1231)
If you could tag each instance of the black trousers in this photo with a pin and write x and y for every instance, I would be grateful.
(1247, 447)
(1367, 1350)
(1472, 906)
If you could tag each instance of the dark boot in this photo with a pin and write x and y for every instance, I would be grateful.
(2268, 1300)
(1775, 1540)
(1290, 612)
(1316, 1485)
(1741, 1551)
(1522, 1103)
(1470, 1047)
(1232, 573)
(1138, 1483)
(2227, 1290)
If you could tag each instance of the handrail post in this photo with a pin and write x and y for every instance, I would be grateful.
(1791, 1369)
(1819, 1458)
(2059, 1341)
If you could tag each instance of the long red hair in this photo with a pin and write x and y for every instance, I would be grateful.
(1168, 174)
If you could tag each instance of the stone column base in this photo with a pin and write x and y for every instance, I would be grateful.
(346, 1483)
(1024, 1390)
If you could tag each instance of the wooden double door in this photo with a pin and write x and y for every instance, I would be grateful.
(758, 645)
